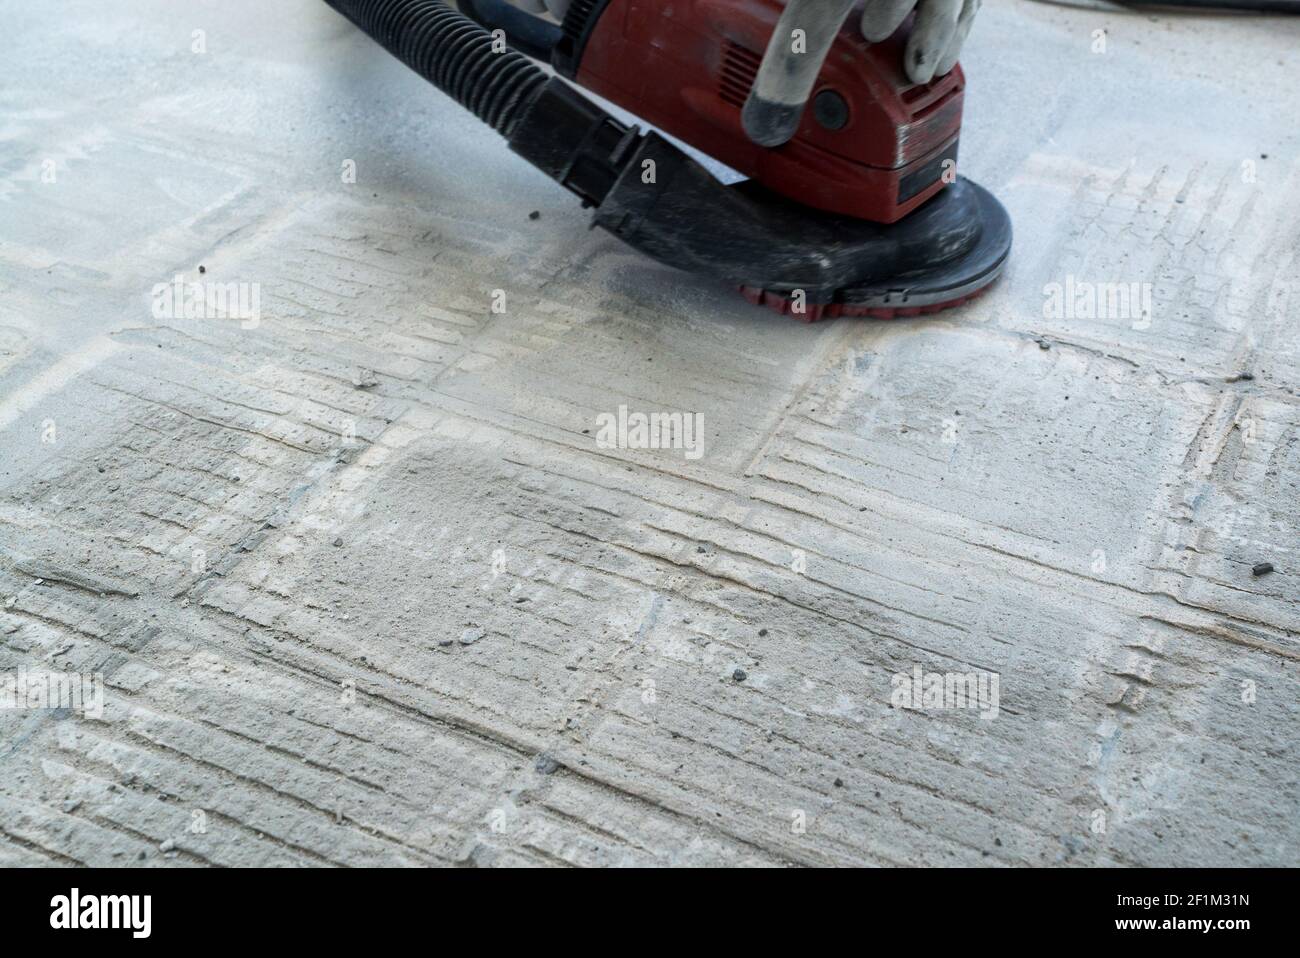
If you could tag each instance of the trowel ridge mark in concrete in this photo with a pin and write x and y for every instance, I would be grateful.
(38, 820)
(314, 310)
(951, 796)
(755, 494)
(707, 601)
(308, 335)
(643, 799)
(527, 610)
(290, 335)
(745, 557)
(305, 759)
(766, 534)
(806, 577)
(778, 598)
(904, 750)
(462, 726)
(1157, 350)
(940, 517)
(578, 770)
(332, 684)
(366, 741)
(38, 569)
(718, 577)
(919, 553)
(297, 280)
(280, 415)
(31, 727)
(801, 852)
(648, 463)
(577, 822)
(802, 439)
(140, 804)
(197, 417)
(793, 511)
(1223, 634)
(271, 747)
(63, 626)
(180, 851)
(598, 457)
(329, 460)
(237, 655)
(1157, 598)
(1205, 449)
(47, 853)
(144, 742)
(1193, 577)
(164, 520)
(204, 512)
(300, 401)
(629, 812)
(375, 264)
(1175, 211)
(586, 702)
(808, 371)
(1204, 224)
(159, 784)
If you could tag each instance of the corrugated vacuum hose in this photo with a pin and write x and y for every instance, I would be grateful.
(453, 53)
(545, 120)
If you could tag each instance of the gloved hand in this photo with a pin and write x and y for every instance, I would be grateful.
(941, 28)
(788, 73)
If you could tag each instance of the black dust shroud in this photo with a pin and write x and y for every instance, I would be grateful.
(659, 200)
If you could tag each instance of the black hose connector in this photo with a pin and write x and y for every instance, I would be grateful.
(546, 121)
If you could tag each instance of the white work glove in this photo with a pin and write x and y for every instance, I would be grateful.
(932, 50)
(940, 30)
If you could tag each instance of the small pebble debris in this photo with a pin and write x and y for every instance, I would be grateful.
(545, 765)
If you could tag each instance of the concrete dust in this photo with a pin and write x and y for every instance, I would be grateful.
(365, 589)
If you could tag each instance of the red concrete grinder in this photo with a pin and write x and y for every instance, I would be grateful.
(852, 205)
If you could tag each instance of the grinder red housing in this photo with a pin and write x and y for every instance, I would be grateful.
(871, 144)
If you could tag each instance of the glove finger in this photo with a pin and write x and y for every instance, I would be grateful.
(936, 22)
(882, 17)
(964, 23)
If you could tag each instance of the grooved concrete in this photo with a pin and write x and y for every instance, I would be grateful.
(365, 590)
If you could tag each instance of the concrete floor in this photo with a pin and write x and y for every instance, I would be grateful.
(364, 590)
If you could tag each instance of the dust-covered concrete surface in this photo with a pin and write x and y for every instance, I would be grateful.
(364, 589)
